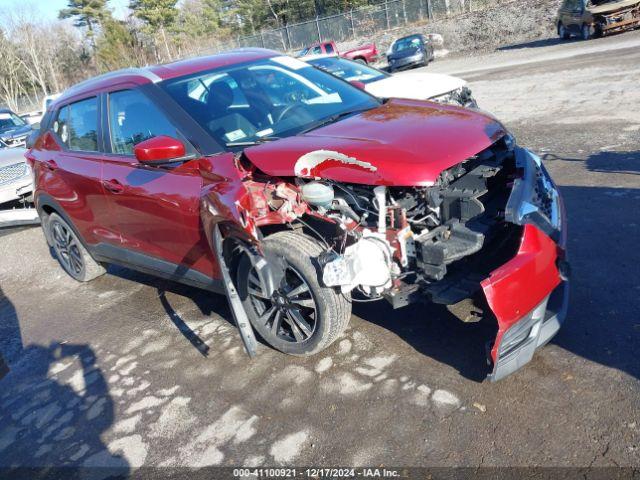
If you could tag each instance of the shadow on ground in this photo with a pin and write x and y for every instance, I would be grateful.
(208, 303)
(544, 42)
(604, 228)
(46, 422)
(605, 161)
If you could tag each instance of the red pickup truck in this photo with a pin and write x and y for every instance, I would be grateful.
(363, 54)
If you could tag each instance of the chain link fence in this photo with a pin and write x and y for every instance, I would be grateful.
(354, 24)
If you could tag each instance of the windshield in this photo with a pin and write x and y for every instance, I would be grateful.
(407, 43)
(9, 120)
(265, 99)
(348, 70)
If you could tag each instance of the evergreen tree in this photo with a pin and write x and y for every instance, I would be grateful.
(116, 47)
(87, 14)
(158, 16)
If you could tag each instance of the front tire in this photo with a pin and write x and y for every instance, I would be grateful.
(587, 32)
(302, 317)
(360, 60)
(69, 251)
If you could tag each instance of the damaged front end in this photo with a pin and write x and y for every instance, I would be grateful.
(489, 227)
(611, 16)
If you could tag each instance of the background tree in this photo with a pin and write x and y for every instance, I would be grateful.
(117, 47)
(40, 57)
(158, 16)
(87, 14)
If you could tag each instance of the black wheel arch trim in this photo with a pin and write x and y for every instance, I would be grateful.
(157, 267)
(43, 200)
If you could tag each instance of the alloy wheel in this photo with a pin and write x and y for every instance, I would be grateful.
(67, 248)
(290, 313)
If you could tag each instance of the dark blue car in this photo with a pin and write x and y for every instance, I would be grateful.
(13, 129)
(411, 51)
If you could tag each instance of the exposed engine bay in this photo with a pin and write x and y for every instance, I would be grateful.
(397, 239)
(408, 243)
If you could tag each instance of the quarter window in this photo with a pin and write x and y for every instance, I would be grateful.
(77, 125)
(133, 118)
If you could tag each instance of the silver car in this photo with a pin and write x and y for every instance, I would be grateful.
(16, 186)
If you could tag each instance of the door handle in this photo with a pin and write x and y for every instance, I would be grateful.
(51, 165)
(113, 186)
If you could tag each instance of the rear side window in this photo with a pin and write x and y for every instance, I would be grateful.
(133, 118)
(77, 125)
(329, 48)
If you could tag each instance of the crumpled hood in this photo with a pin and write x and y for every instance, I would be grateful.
(400, 143)
(417, 86)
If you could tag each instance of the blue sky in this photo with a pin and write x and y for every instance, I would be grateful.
(50, 8)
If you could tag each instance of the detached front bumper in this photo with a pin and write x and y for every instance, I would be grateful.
(529, 295)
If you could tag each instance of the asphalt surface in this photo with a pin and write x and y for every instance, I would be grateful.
(118, 373)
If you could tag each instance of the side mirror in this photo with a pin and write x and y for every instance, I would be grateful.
(159, 150)
(357, 84)
(35, 126)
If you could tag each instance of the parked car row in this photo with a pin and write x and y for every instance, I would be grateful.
(415, 50)
(280, 184)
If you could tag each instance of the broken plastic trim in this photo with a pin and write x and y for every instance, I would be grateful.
(522, 207)
(239, 315)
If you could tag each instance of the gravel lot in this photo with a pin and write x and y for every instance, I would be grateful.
(151, 373)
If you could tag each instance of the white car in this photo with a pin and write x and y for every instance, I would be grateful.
(415, 85)
(34, 118)
(16, 186)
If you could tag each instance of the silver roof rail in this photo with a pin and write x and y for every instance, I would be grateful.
(141, 72)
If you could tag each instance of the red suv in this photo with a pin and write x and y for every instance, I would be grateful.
(295, 194)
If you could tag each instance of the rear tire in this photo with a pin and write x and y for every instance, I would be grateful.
(69, 251)
(360, 60)
(302, 317)
(587, 32)
(563, 33)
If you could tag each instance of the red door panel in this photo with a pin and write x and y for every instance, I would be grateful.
(155, 210)
(73, 179)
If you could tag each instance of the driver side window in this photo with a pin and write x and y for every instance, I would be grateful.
(133, 118)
